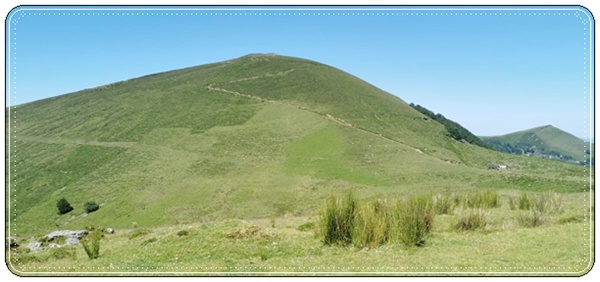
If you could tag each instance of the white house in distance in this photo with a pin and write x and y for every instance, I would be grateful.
(497, 167)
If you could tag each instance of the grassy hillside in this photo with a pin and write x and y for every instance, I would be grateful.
(546, 142)
(257, 136)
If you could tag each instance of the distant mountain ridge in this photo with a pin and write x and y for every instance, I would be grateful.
(546, 142)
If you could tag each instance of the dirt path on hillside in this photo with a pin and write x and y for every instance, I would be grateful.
(214, 87)
(217, 86)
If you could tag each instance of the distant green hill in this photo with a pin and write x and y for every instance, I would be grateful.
(545, 142)
(255, 136)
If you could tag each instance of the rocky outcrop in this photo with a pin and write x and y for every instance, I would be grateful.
(67, 234)
(58, 239)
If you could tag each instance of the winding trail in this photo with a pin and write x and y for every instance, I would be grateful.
(215, 87)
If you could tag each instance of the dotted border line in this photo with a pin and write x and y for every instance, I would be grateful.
(23, 14)
(326, 268)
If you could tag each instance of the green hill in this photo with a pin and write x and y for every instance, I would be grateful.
(257, 136)
(545, 142)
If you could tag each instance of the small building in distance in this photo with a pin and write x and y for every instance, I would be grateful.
(497, 167)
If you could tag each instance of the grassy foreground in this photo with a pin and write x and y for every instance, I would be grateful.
(288, 245)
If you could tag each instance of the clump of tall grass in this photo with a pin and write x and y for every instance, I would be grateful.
(91, 243)
(336, 221)
(512, 203)
(444, 203)
(530, 218)
(535, 206)
(481, 199)
(372, 224)
(413, 220)
(474, 219)
(346, 221)
(525, 202)
(544, 202)
(555, 202)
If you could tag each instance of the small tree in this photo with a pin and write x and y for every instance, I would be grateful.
(91, 207)
(63, 206)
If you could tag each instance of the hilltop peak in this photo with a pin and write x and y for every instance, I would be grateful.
(251, 55)
(545, 141)
(549, 126)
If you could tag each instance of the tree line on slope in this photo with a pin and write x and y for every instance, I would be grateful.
(455, 130)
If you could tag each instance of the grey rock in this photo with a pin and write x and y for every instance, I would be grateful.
(79, 234)
(72, 241)
(35, 246)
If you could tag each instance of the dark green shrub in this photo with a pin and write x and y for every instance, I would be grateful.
(91, 244)
(413, 220)
(91, 207)
(63, 206)
(182, 233)
(336, 221)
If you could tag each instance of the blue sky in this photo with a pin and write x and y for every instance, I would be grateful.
(493, 71)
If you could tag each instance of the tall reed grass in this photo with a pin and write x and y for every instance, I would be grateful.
(542, 202)
(535, 207)
(372, 224)
(337, 220)
(530, 218)
(481, 199)
(346, 221)
(444, 203)
(413, 220)
(472, 220)
(91, 243)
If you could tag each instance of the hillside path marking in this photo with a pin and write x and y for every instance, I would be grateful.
(213, 87)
